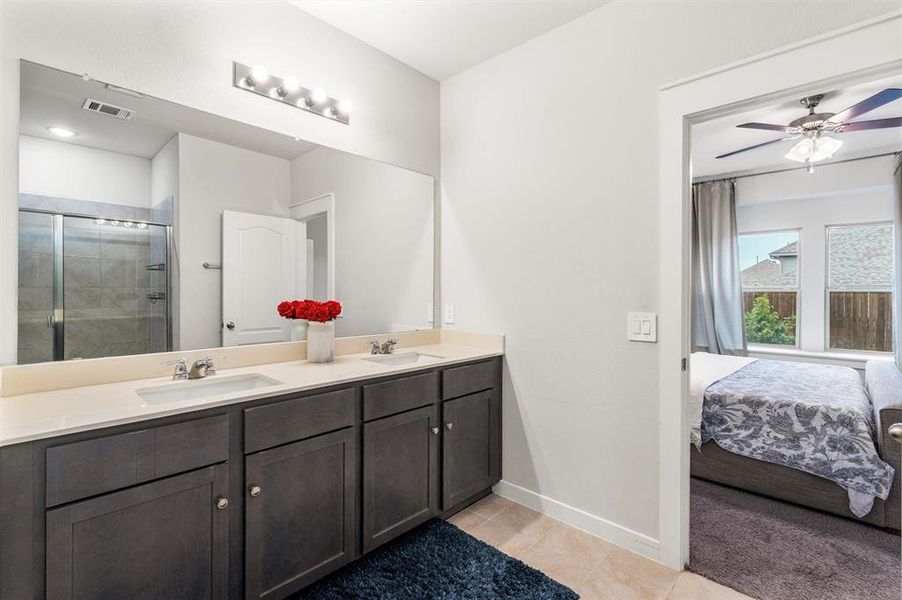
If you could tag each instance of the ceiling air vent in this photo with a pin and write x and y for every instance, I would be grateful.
(108, 109)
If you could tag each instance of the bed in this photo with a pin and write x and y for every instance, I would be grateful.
(806, 433)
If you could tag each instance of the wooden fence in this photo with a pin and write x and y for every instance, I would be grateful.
(858, 320)
(861, 321)
(783, 302)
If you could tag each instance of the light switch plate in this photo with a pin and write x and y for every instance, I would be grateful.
(449, 313)
(642, 327)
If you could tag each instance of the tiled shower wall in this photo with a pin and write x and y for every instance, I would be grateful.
(35, 287)
(106, 284)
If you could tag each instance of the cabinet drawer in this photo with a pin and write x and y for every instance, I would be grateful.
(469, 379)
(112, 462)
(291, 420)
(398, 395)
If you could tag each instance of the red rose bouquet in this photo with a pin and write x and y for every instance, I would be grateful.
(310, 310)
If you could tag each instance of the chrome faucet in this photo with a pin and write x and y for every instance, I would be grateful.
(201, 368)
(181, 368)
(387, 347)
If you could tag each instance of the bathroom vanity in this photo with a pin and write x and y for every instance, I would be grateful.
(248, 499)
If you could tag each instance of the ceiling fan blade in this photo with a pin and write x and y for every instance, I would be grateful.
(769, 127)
(874, 124)
(867, 105)
(782, 139)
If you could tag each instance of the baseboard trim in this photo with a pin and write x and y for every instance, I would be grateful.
(612, 532)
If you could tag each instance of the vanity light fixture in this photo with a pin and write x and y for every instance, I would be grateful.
(61, 132)
(288, 90)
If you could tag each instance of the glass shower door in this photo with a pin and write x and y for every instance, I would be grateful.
(91, 287)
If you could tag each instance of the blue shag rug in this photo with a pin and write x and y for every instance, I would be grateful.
(437, 560)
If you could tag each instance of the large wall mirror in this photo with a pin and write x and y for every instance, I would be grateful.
(147, 226)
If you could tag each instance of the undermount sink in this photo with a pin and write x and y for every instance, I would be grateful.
(214, 386)
(403, 358)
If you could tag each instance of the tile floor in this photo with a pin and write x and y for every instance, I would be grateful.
(593, 568)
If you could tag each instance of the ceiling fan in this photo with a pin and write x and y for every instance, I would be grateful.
(813, 145)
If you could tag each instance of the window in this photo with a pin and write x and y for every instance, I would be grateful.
(859, 287)
(770, 286)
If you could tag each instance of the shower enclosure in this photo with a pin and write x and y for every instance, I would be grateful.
(91, 287)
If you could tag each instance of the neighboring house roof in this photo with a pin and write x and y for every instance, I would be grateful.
(767, 274)
(861, 257)
(790, 249)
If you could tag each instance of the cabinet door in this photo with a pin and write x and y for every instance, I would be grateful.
(301, 513)
(165, 539)
(471, 455)
(400, 474)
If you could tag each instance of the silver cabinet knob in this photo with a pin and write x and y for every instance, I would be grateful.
(255, 490)
(222, 503)
(449, 425)
(230, 325)
(895, 432)
(435, 430)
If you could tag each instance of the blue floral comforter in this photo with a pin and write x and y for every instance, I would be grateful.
(815, 418)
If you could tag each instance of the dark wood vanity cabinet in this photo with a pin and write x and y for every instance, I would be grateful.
(165, 539)
(252, 500)
(300, 513)
(471, 446)
(400, 474)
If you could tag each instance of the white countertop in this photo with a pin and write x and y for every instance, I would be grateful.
(39, 415)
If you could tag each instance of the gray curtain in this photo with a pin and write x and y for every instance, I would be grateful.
(897, 246)
(718, 319)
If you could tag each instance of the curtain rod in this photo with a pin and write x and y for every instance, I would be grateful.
(786, 170)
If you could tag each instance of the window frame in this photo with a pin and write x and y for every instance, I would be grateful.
(797, 289)
(827, 289)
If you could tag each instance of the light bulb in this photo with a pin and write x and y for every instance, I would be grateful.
(290, 85)
(128, 223)
(318, 95)
(61, 132)
(142, 225)
(100, 221)
(114, 222)
(344, 106)
(329, 111)
(259, 74)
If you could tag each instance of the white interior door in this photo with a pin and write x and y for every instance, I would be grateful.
(263, 263)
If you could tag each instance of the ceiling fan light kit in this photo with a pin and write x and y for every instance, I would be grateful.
(814, 146)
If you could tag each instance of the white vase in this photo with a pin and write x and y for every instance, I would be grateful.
(320, 342)
(298, 330)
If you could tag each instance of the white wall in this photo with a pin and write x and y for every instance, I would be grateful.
(383, 238)
(60, 169)
(183, 52)
(214, 177)
(857, 192)
(549, 234)
(164, 191)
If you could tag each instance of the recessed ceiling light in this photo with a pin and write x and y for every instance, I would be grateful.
(61, 132)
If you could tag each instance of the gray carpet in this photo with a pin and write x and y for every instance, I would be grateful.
(774, 550)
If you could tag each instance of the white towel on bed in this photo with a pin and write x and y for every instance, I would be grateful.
(705, 370)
